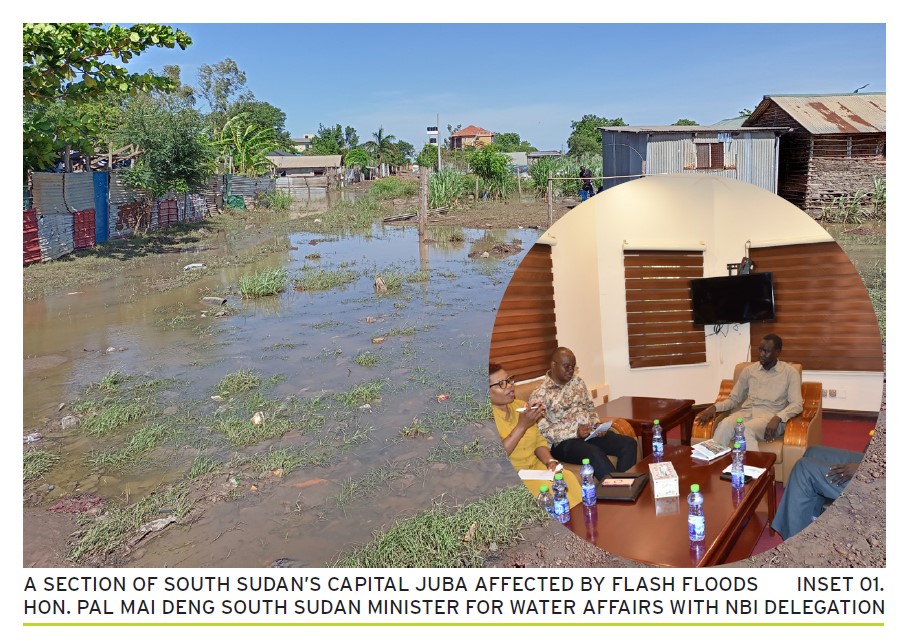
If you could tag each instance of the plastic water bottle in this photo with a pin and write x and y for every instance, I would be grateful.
(560, 499)
(545, 501)
(737, 471)
(696, 514)
(739, 434)
(588, 489)
(657, 440)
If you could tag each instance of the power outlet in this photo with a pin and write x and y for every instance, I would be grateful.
(832, 393)
(824, 393)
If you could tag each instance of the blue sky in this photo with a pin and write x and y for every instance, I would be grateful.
(533, 79)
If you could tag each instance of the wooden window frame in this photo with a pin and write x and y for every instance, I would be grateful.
(715, 155)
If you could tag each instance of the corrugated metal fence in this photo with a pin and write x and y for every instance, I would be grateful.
(70, 211)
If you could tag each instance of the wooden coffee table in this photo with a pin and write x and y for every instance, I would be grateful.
(656, 532)
(641, 411)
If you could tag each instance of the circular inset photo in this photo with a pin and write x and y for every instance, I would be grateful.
(698, 359)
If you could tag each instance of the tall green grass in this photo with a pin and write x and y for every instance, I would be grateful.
(391, 187)
(445, 188)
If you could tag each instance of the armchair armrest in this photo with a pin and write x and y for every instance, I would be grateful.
(805, 429)
(706, 431)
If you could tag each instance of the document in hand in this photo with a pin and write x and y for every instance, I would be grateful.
(709, 450)
(603, 427)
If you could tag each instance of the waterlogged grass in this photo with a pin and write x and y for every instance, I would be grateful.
(368, 359)
(116, 415)
(146, 439)
(237, 382)
(313, 279)
(281, 458)
(436, 538)
(37, 462)
(874, 278)
(265, 283)
(390, 188)
(393, 280)
(370, 484)
(241, 431)
(112, 380)
(357, 214)
(100, 537)
(461, 410)
(458, 454)
(361, 393)
(202, 466)
(419, 276)
(415, 430)
(326, 324)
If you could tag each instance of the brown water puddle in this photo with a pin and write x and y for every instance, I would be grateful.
(437, 339)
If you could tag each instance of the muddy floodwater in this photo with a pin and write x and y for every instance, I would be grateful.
(420, 349)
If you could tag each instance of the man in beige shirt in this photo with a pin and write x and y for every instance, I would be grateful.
(770, 394)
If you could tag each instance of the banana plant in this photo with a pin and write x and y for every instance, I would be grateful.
(247, 144)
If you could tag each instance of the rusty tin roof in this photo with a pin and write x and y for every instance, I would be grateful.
(851, 113)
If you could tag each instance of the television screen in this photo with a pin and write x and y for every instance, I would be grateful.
(732, 299)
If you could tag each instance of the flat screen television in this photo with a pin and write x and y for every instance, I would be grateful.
(733, 299)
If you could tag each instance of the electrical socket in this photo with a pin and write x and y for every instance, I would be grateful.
(824, 393)
(832, 393)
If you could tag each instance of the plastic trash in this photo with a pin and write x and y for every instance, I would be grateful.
(34, 437)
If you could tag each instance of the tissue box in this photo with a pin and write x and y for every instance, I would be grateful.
(664, 479)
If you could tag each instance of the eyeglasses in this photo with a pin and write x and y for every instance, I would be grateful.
(504, 383)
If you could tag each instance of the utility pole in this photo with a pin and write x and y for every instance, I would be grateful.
(438, 147)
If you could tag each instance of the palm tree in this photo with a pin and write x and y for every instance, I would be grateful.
(381, 146)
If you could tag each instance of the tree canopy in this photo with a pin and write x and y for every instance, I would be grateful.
(510, 141)
(685, 122)
(65, 66)
(586, 138)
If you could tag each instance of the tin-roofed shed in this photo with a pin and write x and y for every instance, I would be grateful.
(835, 146)
(749, 155)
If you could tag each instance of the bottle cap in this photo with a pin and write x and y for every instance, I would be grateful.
(739, 420)
(544, 488)
(657, 421)
(585, 461)
(557, 476)
(694, 487)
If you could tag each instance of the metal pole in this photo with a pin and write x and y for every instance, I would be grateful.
(438, 147)
(549, 199)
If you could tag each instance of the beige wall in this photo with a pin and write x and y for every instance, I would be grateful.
(717, 215)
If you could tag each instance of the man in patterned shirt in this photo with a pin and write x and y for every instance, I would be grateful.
(571, 417)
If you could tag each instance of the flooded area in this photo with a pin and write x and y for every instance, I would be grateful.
(376, 400)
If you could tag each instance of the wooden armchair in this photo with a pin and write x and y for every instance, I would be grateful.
(801, 431)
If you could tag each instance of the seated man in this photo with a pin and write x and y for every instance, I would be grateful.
(820, 474)
(770, 394)
(570, 417)
(517, 427)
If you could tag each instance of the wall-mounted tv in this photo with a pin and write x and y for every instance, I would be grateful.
(733, 299)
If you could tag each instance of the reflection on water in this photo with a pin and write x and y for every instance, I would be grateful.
(437, 341)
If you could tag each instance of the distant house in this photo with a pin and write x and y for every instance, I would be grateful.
(470, 136)
(305, 165)
(749, 155)
(834, 146)
(303, 143)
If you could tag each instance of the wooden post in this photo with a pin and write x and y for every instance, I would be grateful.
(518, 175)
(549, 199)
(422, 198)
(476, 189)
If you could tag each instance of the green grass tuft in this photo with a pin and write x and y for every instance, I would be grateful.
(116, 415)
(237, 382)
(361, 394)
(367, 359)
(436, 538)
(146, 438)
(202, 465)
(264, 283)
(37, 462)
(323, 279)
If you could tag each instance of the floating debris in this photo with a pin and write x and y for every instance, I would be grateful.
(380, 286)
(258, 418)
(442, 397)
(34, 437)
(192, 266)
(378, 339)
